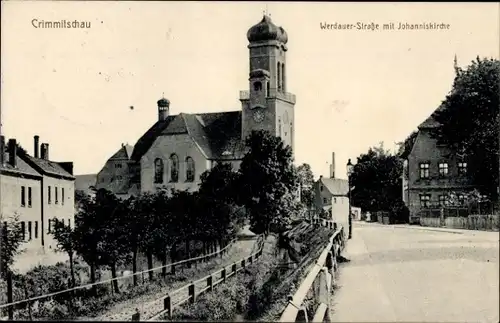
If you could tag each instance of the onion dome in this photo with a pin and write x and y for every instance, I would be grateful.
(163, 103)
(266, 30)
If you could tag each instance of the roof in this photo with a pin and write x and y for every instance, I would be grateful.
(335, 186)
(46, 167)
(217, 134)
(83, 182)
(125, 152)
(22, 168)
(431, 122)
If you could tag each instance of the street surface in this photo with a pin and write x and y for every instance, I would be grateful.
(403, 273)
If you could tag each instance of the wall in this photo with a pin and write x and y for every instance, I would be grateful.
(163, 147)
(113, 178)
(471, 222)
(425, 149)
(63, 211)
(10, 187)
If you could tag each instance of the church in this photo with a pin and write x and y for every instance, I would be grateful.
(177, 149)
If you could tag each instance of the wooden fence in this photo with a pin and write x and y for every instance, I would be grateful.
(190, 292)
(26, 303)
(319, 281)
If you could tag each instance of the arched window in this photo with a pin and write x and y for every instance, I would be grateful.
(279, 127)
(279, 77)
(189, 169)
(158, 171)
(283, 77)
(257, 86)
(174, 168)
(267, 89)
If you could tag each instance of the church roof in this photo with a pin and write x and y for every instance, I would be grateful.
(335, 186)
(217, 134)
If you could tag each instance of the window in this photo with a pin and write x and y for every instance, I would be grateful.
(69, 223)
(118, 165)
(335, 200)
(425, 200)
(29, 196)
(158, 171)
(23, 230)
(118, 177)
(443, 200)
(321, 188)
(461, 199)
(279, 77)
(49, 227)
(23, 196)
(174, 168)
(257, 86)
(49, 196)
(283, 77)
(424, 170)
(189, 169)
(443, 169)
(29, 230)
(279, 127)
(62, 195)
(462, 168)
(267, 89)
(56, 191)
(324, 200)
(36, 229)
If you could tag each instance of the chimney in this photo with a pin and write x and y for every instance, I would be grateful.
(2, 150)
(37, 146)
(44, 151)
(12, 152)
(332, 166)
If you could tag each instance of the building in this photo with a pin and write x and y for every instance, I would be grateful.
(114, 176)
(38, 190)
(85, 182)
(431, 172)
(332, 196)
(177, 149)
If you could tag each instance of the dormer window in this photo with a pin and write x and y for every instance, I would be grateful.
(257, 86)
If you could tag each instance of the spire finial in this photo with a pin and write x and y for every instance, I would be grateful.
(163, 94)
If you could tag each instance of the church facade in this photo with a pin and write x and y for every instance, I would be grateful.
(177, 149)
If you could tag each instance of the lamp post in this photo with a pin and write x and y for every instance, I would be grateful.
(350, 167)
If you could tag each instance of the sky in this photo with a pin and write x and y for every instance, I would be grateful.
(355, 88)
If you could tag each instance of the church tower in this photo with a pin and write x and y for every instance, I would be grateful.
(267, 105)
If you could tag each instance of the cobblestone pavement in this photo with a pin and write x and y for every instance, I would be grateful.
(398, 273)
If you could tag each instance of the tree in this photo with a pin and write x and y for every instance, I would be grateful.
(469, 123)
(144, 213)
(66, 242)
(134, 226)
(377, 181)
(306, 180)
(267, 179)
(12, 237)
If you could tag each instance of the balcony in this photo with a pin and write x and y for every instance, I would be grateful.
(285, 96)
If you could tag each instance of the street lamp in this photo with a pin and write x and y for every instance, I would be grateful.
(350, 167)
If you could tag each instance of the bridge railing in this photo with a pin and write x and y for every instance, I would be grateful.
(318, 282)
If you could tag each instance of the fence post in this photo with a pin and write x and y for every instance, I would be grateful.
(243, 263)
(250, 259)
(191, 293)
(136, 316)
(210, 283)
(234, 268)
(167, 305)
(223, 274)
(172, 269)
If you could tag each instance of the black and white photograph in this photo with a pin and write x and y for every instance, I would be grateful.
(250, 161)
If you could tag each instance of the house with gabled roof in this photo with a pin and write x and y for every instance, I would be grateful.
(37, 190)
(177, 149)
(431, 172)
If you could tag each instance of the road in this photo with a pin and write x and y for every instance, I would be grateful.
(402, 273)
